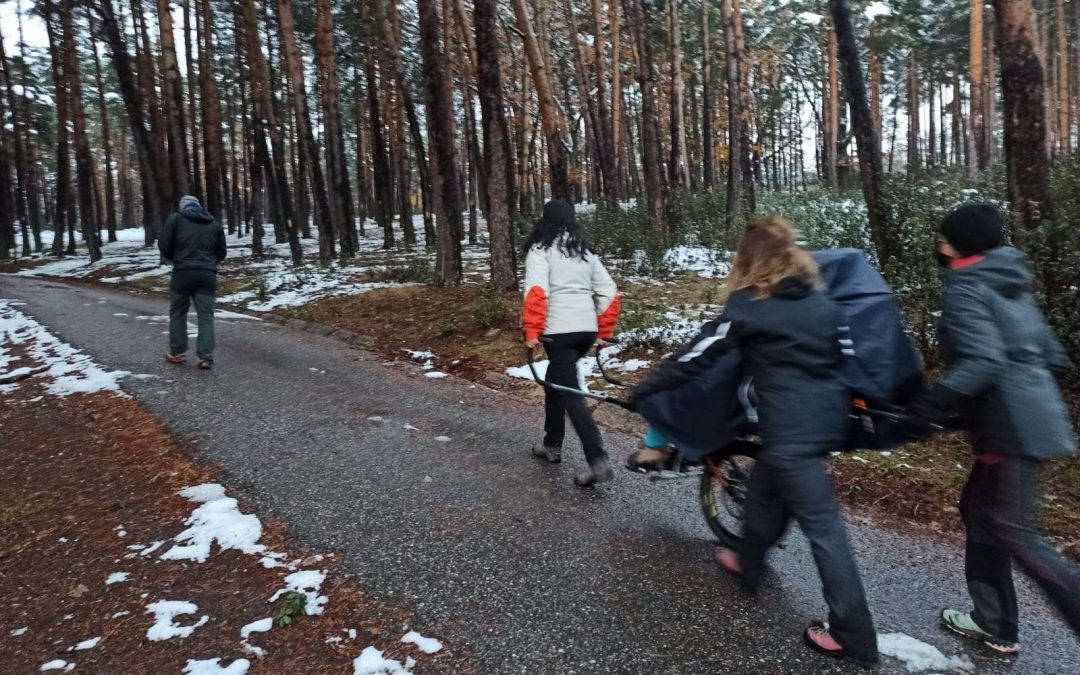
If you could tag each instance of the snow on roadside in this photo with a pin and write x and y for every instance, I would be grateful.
(58, 664)
(68, 370)
(86, 644)
(217, 519)
(919, 656)
(214, 667)
(260, 626)
(372, 662)
(307, 583)
(165, 613)
(424, 644)
(117, 578)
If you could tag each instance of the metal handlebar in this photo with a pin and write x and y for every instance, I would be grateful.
(603, 398)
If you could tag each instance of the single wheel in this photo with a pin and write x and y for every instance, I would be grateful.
(723, 493)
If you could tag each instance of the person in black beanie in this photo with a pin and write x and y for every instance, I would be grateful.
(999, 354)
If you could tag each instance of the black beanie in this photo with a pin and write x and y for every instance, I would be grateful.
(974, 228)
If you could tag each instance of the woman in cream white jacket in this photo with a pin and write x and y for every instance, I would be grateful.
(571, 300)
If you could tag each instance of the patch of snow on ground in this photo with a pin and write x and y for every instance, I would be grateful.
(165, 613)
(919, 656)
(218, 519)
(19, 631)
(117, 578)
(151, 548)
(70, 370)
(214, 667)
(435, 375)
(424, 644)
(443, 439)
(308, 584)
(423, 357)
(86, 644)
(260, 626)
(706, 262)
(584, 368)
(372, 662)
(58, 664)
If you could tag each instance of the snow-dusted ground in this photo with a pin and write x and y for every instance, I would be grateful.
(64, 369)
(918, 656)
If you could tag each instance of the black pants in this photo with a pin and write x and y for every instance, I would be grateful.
(999, 507)
(200, 285)
(563, 354)
(796, 485)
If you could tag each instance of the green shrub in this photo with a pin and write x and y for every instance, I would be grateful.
(491, 310)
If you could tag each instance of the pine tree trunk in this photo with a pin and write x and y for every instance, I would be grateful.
(22, 204)
(913, 114)
(146, 72)
(340, 189)
(65, 205)
(213, 141)
(265, 123)
(106, 135)
(179, 161)
(869, 145)
(650, 119)
(832, 119)
(7, 195)
(1064, 129)
(608, 173)
(440, 107)
(707, 154)
(498, 162)
(977, 137)
(192, 77)
(875, 82)
(151, 174)
(617, 133)
(678, 175)
(309, 151)
(1022, 84)
(549, 113)
(735, 212)
(363, 182)
(387, 17)
(380, 160)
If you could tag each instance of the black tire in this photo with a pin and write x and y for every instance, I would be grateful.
(722, 494)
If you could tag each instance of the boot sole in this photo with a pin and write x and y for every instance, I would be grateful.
(1010, 650)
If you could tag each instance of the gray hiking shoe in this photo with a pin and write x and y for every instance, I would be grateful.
(551, 453)
(963, 624)
(597, 472)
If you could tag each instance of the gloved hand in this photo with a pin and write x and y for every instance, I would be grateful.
(930, 413)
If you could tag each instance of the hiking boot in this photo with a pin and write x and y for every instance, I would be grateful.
(175, 359)
(963, 624)
(650, 459)
(206, 364)
(552, 453)
(596, 472)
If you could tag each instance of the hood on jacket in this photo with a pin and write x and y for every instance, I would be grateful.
(1004, 269)
(197, 213)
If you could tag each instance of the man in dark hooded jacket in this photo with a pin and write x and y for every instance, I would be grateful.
(999, 355)
(194, 243)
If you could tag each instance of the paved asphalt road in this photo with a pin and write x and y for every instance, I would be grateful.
(493, 551)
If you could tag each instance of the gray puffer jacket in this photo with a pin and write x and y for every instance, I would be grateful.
(999, 353)
(192, 240)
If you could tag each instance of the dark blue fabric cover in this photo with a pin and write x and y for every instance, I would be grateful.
(705, 414)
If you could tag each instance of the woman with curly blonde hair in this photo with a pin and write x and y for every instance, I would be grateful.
(790, 337)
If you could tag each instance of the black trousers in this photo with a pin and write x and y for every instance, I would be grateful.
(563, 354)
(999, 506)
(796, 485)
(185, 286)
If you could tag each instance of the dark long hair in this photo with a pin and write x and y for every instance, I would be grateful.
(558, 220)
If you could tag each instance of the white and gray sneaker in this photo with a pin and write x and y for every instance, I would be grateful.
(599, 471)
(552, 453)
(961, 623)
